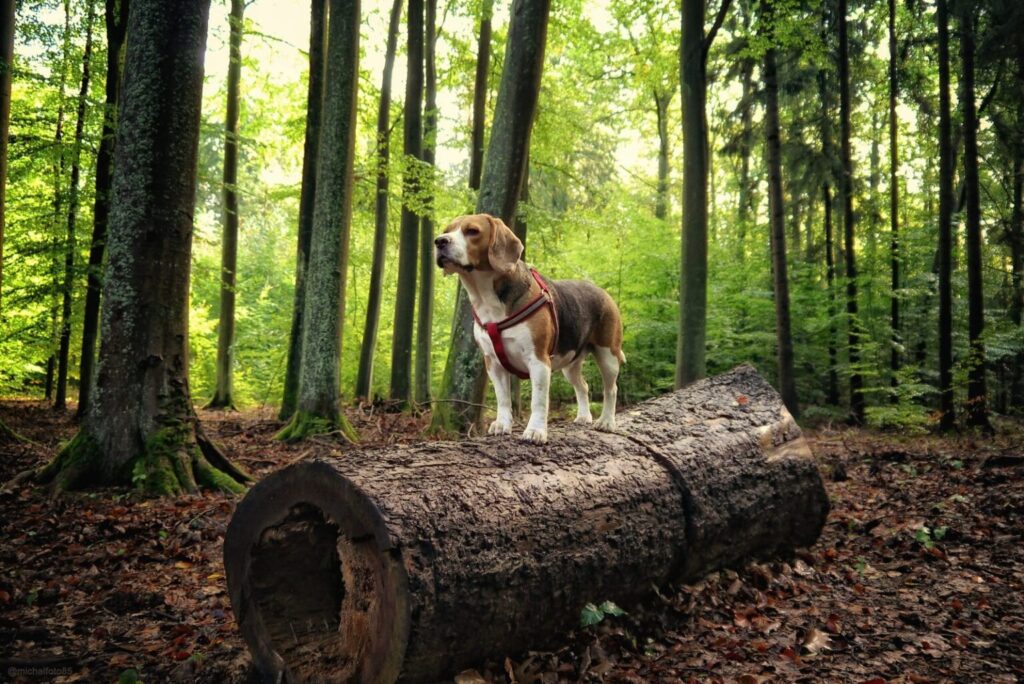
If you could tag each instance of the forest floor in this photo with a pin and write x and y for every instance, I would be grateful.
(918, 576)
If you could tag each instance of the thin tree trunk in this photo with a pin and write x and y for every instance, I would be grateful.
(364, 379)
(747, 134)
(977, 399)
(142, 429)
(405, 295)
(116, 21)
(425, 321)
(894, 203)
(846, 190)
(1017, 265)
(773, 144)
(504, 172)
(311, 150)
(483, 64)
(70, 246)
(58, 208)
(830, 266)
(661, 102)
(6, 65)
(224, 395)
(948, 414)
(693, 275)
(319, 408)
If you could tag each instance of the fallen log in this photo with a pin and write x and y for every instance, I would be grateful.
(414, 562)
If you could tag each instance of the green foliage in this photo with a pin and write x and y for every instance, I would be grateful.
(592, 614)
(593, 179)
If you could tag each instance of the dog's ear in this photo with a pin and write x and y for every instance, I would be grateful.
(505, 248)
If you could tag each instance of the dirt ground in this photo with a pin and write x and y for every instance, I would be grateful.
(918, 576)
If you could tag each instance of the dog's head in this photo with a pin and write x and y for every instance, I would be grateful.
(477, 242)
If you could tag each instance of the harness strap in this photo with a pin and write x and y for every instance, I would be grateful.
(494, 328)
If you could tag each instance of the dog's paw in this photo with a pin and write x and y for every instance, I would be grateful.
(584, 420)
(605, 424)
(500, 428)
(535, 435)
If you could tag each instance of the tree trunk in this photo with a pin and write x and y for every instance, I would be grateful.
(747, 134)
(504, 172)
(425, 321)
(141, 429)
(773, 144)
(70, 245)
(661, 102)
(116, 21)
(59, 165)
(415, 562)
(830, 270)
(364, 380)
(483, 65)
(977, 399)
(894, 204)
(319, 407)
(223, 394)
(311, 149)
(948, 415)
(846, 190)
(409, 232)
(6, 64)
(1017, 265)
(693, 274)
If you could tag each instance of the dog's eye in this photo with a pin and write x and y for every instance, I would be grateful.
(471, 231)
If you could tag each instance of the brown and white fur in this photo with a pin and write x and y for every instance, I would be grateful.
(486, 255)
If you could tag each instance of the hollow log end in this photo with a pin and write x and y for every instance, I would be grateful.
(319, 592)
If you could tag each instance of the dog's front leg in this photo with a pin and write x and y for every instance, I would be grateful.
(502, 425)
(540, 381)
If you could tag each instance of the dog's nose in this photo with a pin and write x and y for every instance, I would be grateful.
(442, 240)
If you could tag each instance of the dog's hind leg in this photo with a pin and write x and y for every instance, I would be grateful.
(608, 362)
(574, 374)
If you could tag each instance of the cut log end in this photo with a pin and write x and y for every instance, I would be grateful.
(318, 594)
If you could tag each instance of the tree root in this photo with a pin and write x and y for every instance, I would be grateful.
(176, 459)
(304, 424)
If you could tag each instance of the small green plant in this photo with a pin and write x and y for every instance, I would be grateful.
(129, 676)
(592, 614)
(927, 537)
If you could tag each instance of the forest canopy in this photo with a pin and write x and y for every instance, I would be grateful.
(787, 215)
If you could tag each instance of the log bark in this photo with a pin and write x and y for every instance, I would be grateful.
(410, 563)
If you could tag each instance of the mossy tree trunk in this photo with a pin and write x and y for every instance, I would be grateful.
(319, 408)
(314, 103)
(70, 245)
(777, 228)
(141, 429)
(504, 172)
(408, 240)
(425, 319)
(364, 379)
(116, 22)
(661, 103)
(6, 59)
(223, 395)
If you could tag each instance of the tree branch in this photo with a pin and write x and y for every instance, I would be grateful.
(719, 20)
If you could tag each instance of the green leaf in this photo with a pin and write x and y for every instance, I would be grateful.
(609, 608)
(940, 532)
(590, 615)
(129, 676)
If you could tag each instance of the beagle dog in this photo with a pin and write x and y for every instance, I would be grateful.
(529, 326)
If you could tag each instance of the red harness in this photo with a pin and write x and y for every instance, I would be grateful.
(494, 329)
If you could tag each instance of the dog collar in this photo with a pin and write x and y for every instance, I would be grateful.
(494, 328)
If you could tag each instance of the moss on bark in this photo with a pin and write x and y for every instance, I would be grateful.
(304, 424)
(170, 463)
